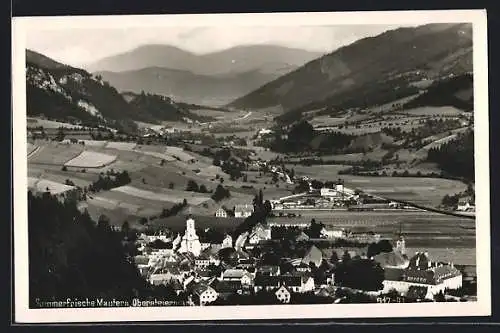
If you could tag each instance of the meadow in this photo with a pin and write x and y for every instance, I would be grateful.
(91, 159)
(43, 185)
(435, 111)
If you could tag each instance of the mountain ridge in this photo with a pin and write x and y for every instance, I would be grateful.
(348, 75)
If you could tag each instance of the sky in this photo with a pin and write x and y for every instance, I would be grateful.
(82, 46)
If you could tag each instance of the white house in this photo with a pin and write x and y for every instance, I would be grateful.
(227, 241)
(283, 295)
(421, 272)
(203, 294)
(466, 205)
(221, 212)
(332, 233)
(259, 233)
(243, 210)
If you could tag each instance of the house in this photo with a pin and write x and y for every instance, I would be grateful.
(241, 275)
(466, 205)
(303, 267)
(227, 288)
(298, 282)
(221, 212)
(269, 270)
(422, 272)
(243, 210)
(207, 257)
(283, 295)
(202, 293)
(227, 241)
(266, 282)
(332, 233)
(259, 233)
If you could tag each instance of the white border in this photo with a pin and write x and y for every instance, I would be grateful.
(22, 25)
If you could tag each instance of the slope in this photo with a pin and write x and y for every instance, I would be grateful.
(187, 86)
(369, 71)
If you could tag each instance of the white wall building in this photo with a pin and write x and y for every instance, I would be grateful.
(190, 241)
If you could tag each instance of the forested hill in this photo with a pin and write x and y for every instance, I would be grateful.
(456, 157)
(72, 256)
(369, 71)
(162, 107)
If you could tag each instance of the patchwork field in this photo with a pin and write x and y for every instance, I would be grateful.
(91, 159)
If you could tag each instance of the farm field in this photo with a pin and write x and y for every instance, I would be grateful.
(166, 195)
(91, 159)
(55, 154)
(58, 176)
(418, 190)
(121, 145)
(420, 229)
(42, 185)
(434, 111)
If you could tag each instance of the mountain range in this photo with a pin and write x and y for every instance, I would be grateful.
(65, 93)
(370, 71)
(214, 78)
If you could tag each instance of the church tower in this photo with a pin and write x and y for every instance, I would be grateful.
(400, 243)
(190, 241)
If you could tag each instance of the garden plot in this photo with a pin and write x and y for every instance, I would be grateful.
(90, 159)
(173, 196)
(55, 154)
(44, 185)
(121, 145)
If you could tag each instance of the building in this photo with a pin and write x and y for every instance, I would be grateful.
(241, 275)
(295, 282)
(466, 205)
(332, 233)
(221, 212)
(243, 210)
(190, 241)
(283, 295)
(202, 293)
(259, 233)
(422, 272)
(227, 242)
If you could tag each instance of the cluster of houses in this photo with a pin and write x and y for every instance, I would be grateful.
(239, 211)
(203, 273)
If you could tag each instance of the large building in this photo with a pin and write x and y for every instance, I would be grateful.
(190, 241)
(422, 272)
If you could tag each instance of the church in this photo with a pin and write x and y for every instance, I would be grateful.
(190, 241)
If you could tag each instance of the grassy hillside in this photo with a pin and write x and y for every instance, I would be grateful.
(349, 78)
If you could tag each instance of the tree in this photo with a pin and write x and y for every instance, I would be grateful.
(363, 274)
(171, 185)
(192, 186)
(203, 189)
(375, 248)
(220, 193)
(125, 227)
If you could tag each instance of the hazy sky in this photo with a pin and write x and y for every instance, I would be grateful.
(78, 47)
